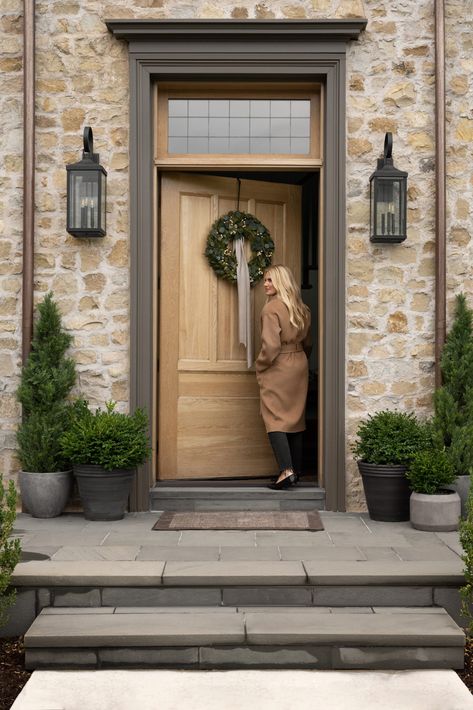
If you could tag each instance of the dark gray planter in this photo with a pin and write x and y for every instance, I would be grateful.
(435, 513)
(44, 495)
(461, 485)
(104, 494)
(387, 491)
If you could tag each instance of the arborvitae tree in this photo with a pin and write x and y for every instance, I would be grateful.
(453, 420)
(46, 380)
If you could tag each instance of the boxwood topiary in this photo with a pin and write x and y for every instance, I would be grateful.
(106, 438)
(430, 471)
(390, 438)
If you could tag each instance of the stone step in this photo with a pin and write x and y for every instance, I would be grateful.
(238, 637)
(245, 496)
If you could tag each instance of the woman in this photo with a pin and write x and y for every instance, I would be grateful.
(282, 370)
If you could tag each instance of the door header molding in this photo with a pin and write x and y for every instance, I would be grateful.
(259, 31)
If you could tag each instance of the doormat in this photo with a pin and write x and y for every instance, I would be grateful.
(240, 520)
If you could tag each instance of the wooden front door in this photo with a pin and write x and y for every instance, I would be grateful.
(209, 425)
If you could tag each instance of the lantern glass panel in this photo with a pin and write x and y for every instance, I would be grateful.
(388, 207)
(84, 203)
(103, 199)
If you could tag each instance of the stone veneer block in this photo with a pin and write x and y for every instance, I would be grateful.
(450, 599)
(148, 657)
(353, 629)
(372, 596)
(76, 597)
(265, 657)
(385, 572)
(62, 610)
(91, 573)
(122, 630)
(142, 596)
(234, 573)
(174, 610)
(271, 596)
(43, 599)
(398, 658)
(37, 658)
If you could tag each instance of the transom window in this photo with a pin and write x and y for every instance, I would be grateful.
(239, 126)
(221, 123)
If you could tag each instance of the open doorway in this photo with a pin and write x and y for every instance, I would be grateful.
(209, 424)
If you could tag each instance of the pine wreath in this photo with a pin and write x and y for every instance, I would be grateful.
(219, 251)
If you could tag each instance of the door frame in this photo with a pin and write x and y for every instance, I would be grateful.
(270, 50)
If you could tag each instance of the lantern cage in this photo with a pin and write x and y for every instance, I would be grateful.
(388, 199)
(86, 193)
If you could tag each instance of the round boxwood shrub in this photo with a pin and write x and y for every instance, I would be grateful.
(390, 437)
(106, 438)
(430, 471)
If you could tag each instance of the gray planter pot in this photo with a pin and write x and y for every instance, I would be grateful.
(104, 494)
(462, 487)
(45, 495)
(435, 513)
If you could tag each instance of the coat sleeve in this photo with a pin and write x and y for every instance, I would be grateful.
(270, 340)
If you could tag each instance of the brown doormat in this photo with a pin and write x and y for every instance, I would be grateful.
(240, 520)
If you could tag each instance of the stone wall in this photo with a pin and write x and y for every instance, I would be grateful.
(82, 78)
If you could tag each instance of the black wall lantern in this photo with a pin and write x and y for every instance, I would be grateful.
(86, 193)
(388, 198)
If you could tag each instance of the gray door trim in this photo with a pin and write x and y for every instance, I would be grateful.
(240, 50)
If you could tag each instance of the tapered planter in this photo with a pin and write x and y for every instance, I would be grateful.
(44, 495)
(387, 491)
(104, 494)
(435, 513)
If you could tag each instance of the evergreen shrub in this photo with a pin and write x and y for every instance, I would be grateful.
(106, 438)
(453, 419)
(390, 437)
(10, 549)
(430, 471)
(46, 380)
(466, 540)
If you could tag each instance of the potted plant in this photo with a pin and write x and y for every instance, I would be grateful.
(386, 443)
(453, 420)
(105, 448)
(46, 381)
(432, 506)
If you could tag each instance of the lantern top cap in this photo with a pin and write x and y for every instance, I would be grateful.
(385, 166)
(90, 160)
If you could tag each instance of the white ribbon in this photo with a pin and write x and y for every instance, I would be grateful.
(244, 300)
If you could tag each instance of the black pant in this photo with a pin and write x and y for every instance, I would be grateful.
(287, 449)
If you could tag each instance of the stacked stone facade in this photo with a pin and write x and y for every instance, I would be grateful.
(82, 78)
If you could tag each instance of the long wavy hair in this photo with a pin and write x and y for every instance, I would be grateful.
(288, 291)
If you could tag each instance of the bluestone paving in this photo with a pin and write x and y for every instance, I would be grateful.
(250, 553)
(321, 553)
(378, 553)
(289, 538)
(452, 541)
(368, 539)
(217, 537)
(173, 629)
(234, 572)
(174, 610)
(88, 573)
(104, 552)
(178, 552)
(426, 553)
(362, 629)
(78, 610)
(449, 572)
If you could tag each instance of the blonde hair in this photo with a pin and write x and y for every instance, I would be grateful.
(289, 293)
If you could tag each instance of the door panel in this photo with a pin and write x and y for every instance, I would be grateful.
(208, 421)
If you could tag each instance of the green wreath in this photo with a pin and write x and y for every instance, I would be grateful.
(219, 251)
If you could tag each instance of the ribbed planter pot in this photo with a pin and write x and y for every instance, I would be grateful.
(435, 513)
(104, 494)
(44, 495)
(387, 491)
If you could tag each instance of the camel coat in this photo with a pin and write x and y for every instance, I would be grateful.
(282, 370)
